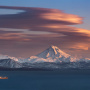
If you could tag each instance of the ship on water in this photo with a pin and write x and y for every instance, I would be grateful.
(3, 77)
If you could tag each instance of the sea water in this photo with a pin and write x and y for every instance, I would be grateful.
(45, 80)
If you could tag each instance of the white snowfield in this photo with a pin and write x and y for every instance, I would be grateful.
(51, 55)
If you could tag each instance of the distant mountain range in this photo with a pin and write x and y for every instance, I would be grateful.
(51, 58)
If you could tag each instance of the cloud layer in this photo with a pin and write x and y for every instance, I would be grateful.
(53, 27)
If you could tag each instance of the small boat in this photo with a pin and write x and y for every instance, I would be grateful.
(3, 77)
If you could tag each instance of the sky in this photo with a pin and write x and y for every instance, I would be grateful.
(27, 27)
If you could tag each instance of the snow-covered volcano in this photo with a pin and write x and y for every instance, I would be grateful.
(52, 54)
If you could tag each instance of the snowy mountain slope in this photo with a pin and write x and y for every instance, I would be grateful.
(9, 63)
(52, 54)
(7, 57)
(51, 58)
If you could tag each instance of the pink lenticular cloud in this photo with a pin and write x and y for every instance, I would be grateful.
(52, 27)
(35, 17)
(58, 15)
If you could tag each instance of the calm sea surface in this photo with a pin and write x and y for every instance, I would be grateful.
(45, 80)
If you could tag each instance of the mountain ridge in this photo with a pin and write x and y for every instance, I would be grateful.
(52, 57)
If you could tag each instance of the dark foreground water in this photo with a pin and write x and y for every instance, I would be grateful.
(45, 80)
